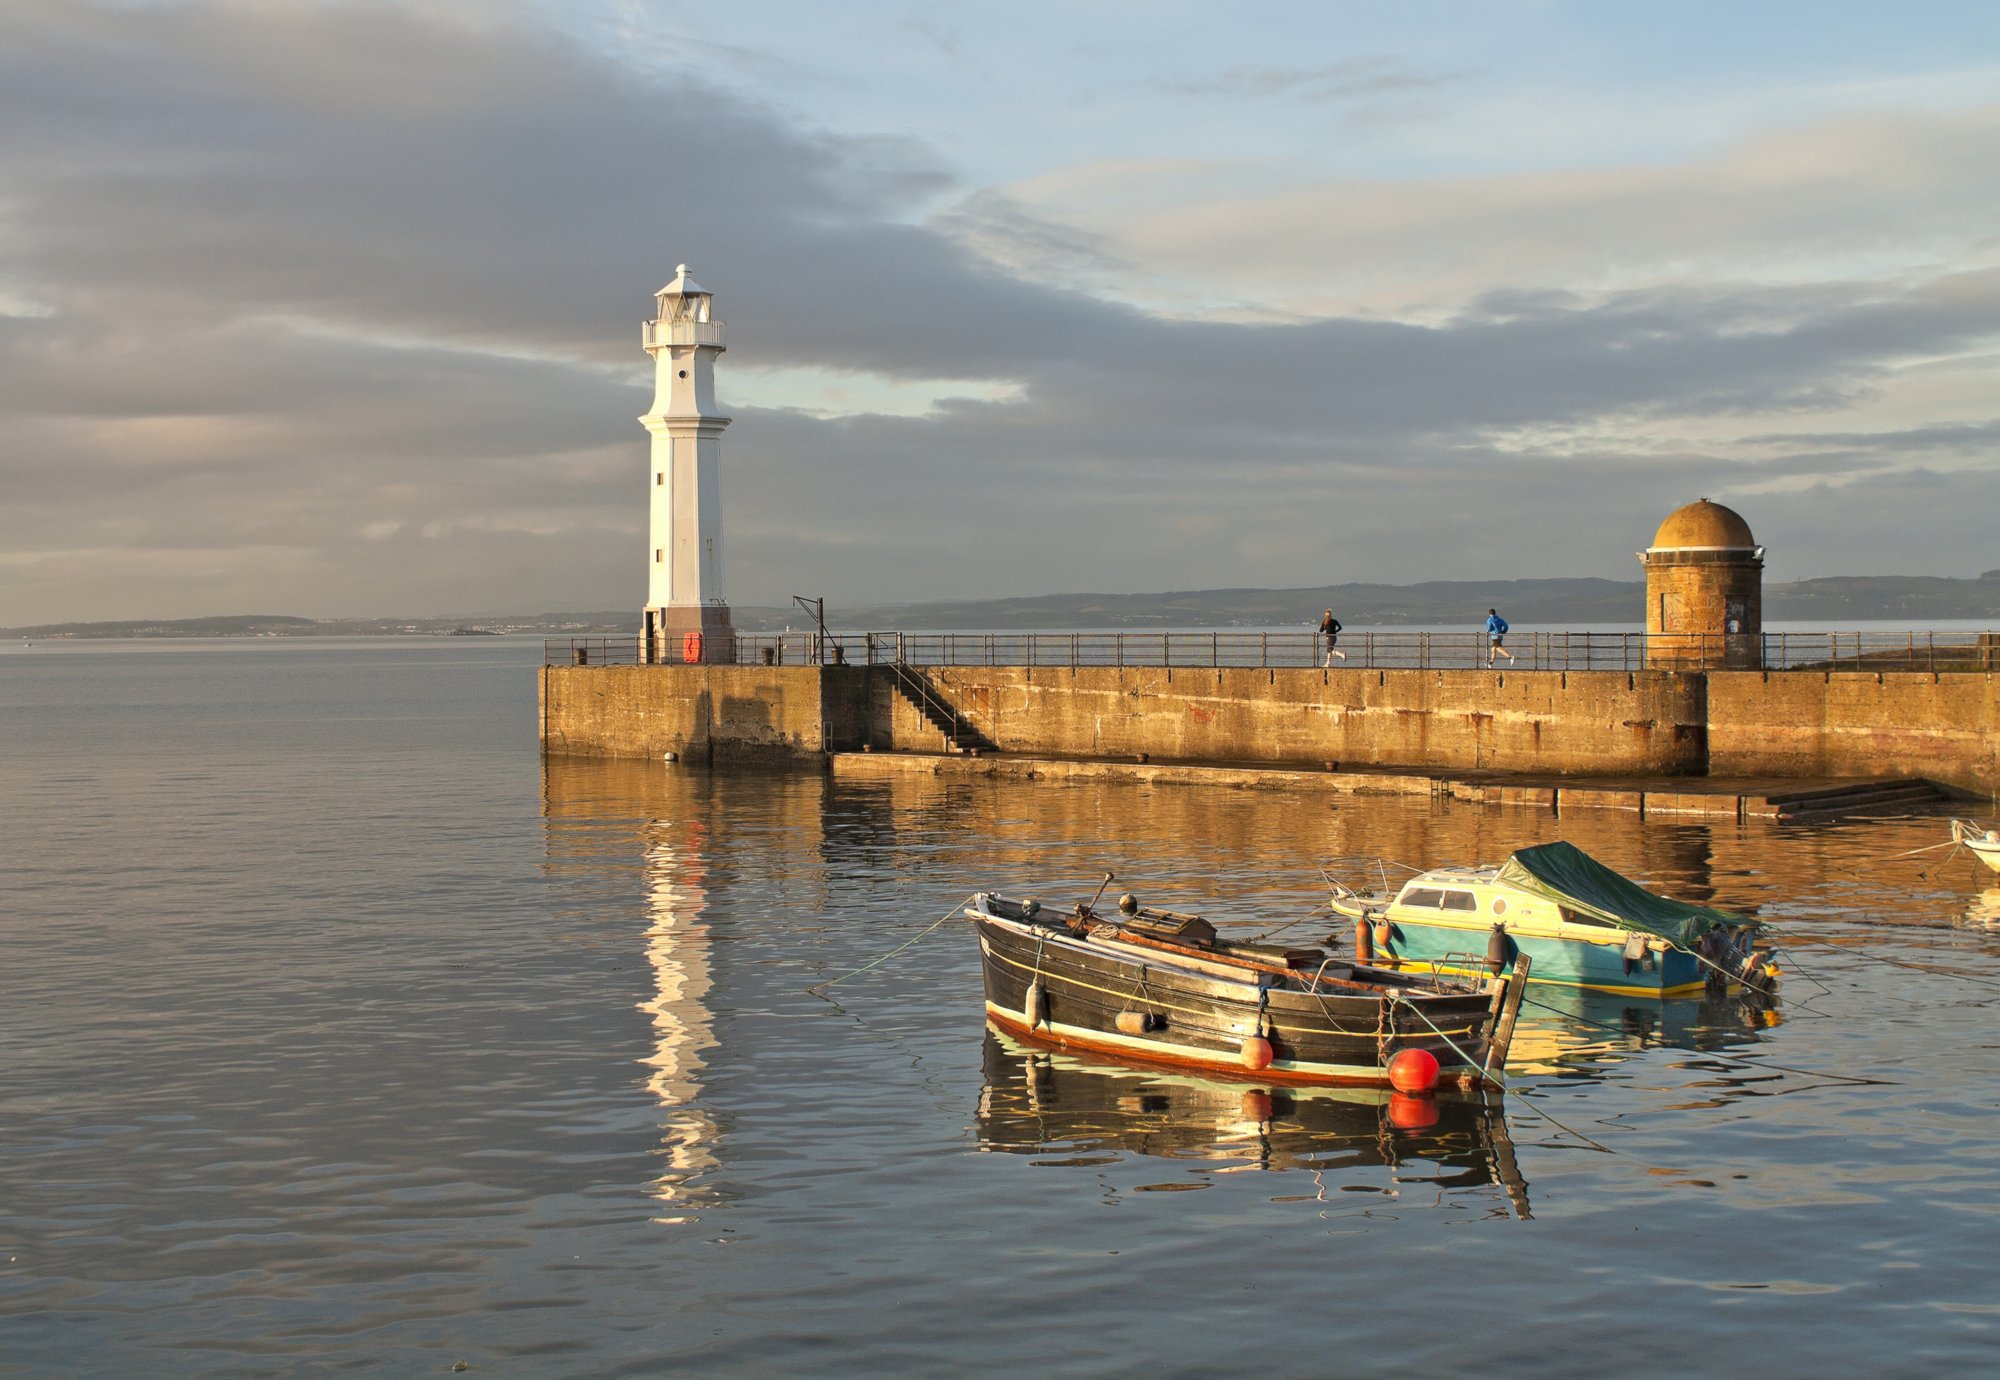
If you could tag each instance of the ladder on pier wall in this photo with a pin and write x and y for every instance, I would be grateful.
(960, 733)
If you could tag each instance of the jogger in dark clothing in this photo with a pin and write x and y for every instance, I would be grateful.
(1329, 628)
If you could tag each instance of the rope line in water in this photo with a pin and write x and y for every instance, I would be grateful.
(1978, 978)
(1497, 1075)
(1792, 965)
(1931, 848)
(949, 915)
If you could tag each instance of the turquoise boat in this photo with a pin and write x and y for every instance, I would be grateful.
(1585, 926)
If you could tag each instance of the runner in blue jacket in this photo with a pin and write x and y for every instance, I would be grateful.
(1496, 633)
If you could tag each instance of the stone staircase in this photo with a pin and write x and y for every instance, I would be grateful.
(961, 735)
(1861, 798)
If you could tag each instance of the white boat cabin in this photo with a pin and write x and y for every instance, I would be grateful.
(1475, 898)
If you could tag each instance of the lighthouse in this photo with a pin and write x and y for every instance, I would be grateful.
(686, 618)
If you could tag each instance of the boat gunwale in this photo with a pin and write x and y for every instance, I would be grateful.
(1305, 991)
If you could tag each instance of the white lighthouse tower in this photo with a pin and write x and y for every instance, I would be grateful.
(686, 618)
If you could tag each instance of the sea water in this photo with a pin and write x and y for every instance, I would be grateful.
(341, 1034)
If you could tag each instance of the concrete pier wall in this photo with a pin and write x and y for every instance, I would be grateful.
(720, 713)
(1579, 723)
(1603, 723)
(1944, 725)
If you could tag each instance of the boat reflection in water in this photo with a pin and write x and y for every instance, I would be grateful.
(1038, 1101)
(1983, 910)
(1563, 1030)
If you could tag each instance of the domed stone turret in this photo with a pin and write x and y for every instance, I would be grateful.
(1704, 526)
(1704, 591)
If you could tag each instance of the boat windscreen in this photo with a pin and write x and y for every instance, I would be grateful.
(1565, 874)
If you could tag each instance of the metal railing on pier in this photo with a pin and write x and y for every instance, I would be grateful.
(1393, 649)
(593, 651)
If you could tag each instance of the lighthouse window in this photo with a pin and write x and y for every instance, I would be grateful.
(659, 477)
(684, 373)
(659, 555)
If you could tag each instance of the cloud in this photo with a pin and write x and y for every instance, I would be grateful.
(1875, 193)
(333, 309)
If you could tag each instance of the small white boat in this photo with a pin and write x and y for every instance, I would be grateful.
(1983, 844)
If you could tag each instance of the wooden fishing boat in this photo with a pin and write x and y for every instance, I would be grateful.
(1983, 844)
(1165, 988)
(1583, 925)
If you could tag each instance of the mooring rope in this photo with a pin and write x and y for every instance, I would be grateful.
(1978, 978)
(1498, 1075)
(1144, 991)
(1932, 848)
(1793, 966)
(1279, 929)
(1398, 999)
(949, 915)
(1332, 1023)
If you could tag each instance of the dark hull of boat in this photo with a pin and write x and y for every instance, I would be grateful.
(1181, 1018)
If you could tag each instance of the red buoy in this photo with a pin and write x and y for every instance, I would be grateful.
(1256, 1053)
(1413, 1071)
(1407, 1113)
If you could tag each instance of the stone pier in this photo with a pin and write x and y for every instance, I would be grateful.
(1944, 726)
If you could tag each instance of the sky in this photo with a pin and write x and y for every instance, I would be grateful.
(333, 309)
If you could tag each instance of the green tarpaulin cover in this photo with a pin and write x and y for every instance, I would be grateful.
(1565, 874)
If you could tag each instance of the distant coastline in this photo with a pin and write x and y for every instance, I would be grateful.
(1911, 599)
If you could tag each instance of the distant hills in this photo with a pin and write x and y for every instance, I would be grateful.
(284, 625)
(1911, 599)
(1358, 605)
(1914, 599)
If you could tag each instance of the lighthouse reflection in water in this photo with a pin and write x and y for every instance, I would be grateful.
(678, 951)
